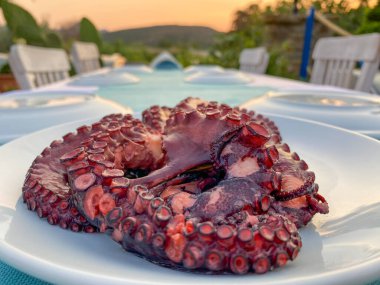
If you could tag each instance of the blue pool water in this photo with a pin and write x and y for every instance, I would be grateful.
(168, 88)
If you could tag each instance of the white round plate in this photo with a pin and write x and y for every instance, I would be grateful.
(219, 78)
(355, 111)
(133, 68)
(342, 247)
(21, 114)
(204, 68)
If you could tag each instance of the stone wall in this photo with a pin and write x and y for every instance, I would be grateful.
(289, 30)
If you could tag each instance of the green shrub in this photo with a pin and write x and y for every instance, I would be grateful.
(371, 23)
(5, 69)
(278, 63)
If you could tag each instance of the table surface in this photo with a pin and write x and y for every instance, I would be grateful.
(168, 88)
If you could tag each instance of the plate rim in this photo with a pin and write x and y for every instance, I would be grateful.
(271, 96)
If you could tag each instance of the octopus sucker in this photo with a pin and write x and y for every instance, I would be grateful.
(198, 187)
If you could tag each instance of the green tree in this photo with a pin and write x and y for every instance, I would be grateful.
(248, 30)
(6, 39)
(371, 22)
(24, 28)
(89, 33)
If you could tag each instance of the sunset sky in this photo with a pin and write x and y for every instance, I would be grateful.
(119, 14)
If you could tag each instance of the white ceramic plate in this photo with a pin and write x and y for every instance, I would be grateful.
(133, 68)
(217, 77)
(351, 110)
(27, 112)
(203, 68)
(342, 247)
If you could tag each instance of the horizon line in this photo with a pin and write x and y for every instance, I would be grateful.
(160, 25)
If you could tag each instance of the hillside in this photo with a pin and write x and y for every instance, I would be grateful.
(163, 36)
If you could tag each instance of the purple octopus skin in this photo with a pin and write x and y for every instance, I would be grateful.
(201, 187)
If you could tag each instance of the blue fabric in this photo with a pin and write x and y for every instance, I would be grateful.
(160, 88)
(11, 276)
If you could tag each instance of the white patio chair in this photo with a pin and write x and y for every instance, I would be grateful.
(37, 66)
(335, 59)
(85, 57)
(254, 60)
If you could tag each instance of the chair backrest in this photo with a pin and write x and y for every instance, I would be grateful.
(335, 59)
(85, 57)
(36, 66)
(254, 60)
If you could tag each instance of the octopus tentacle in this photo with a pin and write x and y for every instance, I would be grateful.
(156, 117)
(46, 189)
(152, 227)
